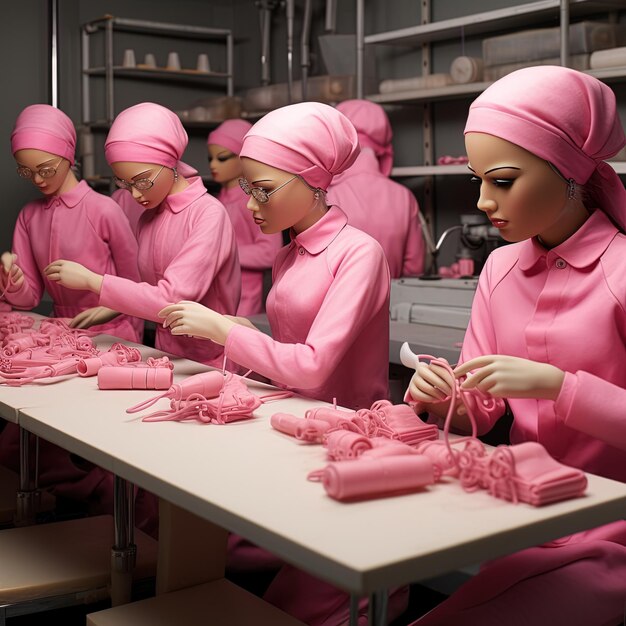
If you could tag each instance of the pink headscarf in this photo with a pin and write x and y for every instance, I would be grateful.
(148, 133)
(44, 127)
(373, 127)
(563, 116)
(230, 134)
(310, 139)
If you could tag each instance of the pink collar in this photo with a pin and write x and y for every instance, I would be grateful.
(70, 198)
(181, 200)
(319, 236)
(582, 249)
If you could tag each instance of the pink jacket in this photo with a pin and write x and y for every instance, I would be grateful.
(256, 250)
(187, 251)
(384, 209)
(83, 226)
(329, 314)
(565, 306)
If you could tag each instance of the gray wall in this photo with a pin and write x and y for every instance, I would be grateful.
(25, 75)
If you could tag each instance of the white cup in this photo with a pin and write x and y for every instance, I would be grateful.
(129, 58)
(173, 62)
(149, 60)
(203, 63)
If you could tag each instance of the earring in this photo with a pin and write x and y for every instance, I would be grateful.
(316, 195)
(571, 188)
(175, 174)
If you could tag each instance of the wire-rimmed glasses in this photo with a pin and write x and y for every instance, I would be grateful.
(260, 195)
(143, 184)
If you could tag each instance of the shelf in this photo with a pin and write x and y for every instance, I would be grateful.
(461, 170)
(500, 19)
(158, 73)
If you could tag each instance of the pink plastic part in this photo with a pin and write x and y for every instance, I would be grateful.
(372, 478)
(285, 423)
(335, 417)
(312, 430)
(121, 377)
(344, 445)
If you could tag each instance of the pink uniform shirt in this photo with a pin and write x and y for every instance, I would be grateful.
(384, 209)
(563, 306)
(187, 251)
(329, 314)
(256, 250)
(80, 225)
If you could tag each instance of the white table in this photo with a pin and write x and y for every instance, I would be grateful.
(251, 480)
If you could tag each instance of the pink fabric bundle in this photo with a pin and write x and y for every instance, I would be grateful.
(129, 377)
(148, 133)
(44, 127)
(375, 478)
(308, 430)
(373, 129)
(381, 446)
(230, 134)
(337, 418)
(118, 354)
(344, 445)
(398, 421)
(310, 139)
(526, 472)
(576, 126)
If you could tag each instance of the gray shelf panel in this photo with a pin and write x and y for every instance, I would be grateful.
(523, 15)
(159, 74)
(436, 93)
(158, 28)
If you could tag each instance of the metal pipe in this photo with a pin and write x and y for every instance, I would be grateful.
(265, 15)
(330, 22)
(108, 70)
(305, 59)
(54, 53)
(564, 22)
(360, 36)
(290, 10)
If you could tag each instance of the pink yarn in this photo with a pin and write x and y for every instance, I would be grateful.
(230, 134)
(373, 128)
(563, 116)
(310, 139)
(148, 133)
(44, 127)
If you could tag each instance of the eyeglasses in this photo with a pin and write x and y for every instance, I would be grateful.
(45, 172)
(143, 184)
(260, 195)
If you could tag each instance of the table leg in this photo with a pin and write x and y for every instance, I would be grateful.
(378, 608)
(27, 495)
(124, 552)
(354, 609)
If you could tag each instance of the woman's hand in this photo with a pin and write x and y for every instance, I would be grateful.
(195, 320)
(93, 316)
(504, 376)
(12, 275)
(73, 275)
(430, 383)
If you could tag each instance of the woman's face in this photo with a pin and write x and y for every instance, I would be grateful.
(47, 163)
(130, 173)
(225, 166)
(521, 194)
(293, 206)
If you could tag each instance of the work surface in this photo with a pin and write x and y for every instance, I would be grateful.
(251, 479)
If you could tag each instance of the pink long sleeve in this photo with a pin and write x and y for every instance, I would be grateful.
(414, 250)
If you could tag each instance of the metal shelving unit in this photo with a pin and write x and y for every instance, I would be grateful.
(109, 24)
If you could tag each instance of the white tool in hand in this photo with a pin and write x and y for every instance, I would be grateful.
(407, 357)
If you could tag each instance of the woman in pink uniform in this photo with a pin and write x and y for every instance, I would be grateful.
(257, 251)
(328, 307)
(373, 202)
(71, 221)
(537, 141)
(187, 246)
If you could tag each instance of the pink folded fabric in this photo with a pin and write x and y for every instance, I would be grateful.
(309, 430)
(335, 417)
(403, 424)
(127, 377)
(382, 446)
(375, 478)
(526, 472)
(345, 445)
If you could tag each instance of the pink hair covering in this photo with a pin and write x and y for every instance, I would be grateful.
(44, 127)
(230, 134)
(563, 116)
(373, 127)
(310, 139)
(148, 133)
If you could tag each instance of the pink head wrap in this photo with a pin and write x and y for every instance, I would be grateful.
(373, 127)
(44, 127)
(310, 139)
(148, 133)
(230, 134)
(563, 116)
